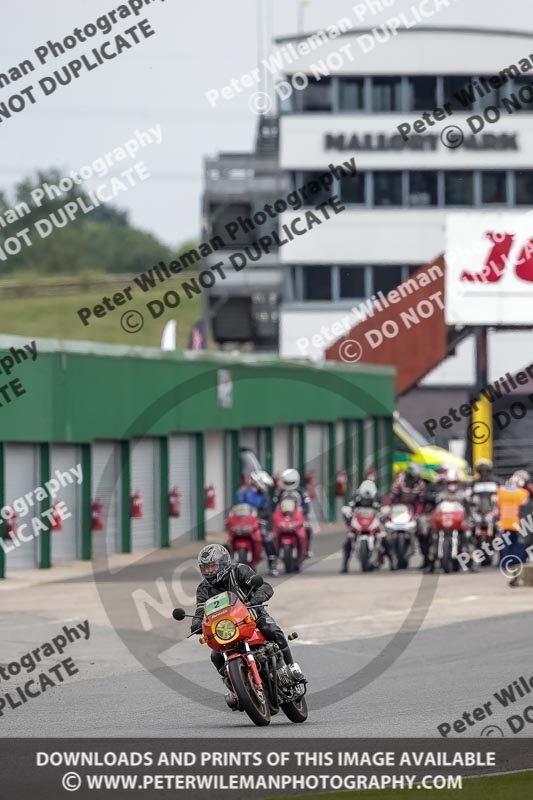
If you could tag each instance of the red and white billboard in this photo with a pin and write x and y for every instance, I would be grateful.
(489, 268)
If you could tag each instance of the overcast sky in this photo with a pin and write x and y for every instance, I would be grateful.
(198, 46)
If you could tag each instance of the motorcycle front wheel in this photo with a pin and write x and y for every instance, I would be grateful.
(288, 559)
(296, 710)
(242, 681)
(242, 555)
(447, 560)
(364, 556)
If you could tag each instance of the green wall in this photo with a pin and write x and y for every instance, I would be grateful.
(78, 392)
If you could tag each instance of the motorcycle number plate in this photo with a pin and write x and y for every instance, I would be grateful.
(216, 603)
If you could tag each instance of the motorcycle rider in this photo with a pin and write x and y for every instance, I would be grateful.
(410, 490)
(454, 492)
(481, 495)
(366, 496)
(289, 486)
(221, 574)
(255, 494)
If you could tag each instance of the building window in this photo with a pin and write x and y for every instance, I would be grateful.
(352, 282)
(312, 197)
(351, 94)
(524, 100)
(352, 189)
(423, 188)
(386, 278)
(317, 283)
(388, 188)
(524, 187)
(386, 94)
(459, 188)
(494, 187)
(317, 95)
(490, 97)
(422, 93)
(458, 92)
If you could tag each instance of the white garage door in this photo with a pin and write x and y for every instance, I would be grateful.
(357, 478)
(106, 486)
(66, 543)
(316, 448)
(21, 477)
(248, 438)
(339, 462)
(370, 459)
(214, 476)
(280, 448)
(145, 531)
(182, 475)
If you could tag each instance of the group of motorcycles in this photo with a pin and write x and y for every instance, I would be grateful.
(245, 541)
(393, 533)
(377, 534)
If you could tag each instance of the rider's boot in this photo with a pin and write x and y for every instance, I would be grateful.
(346, 553)
(272, 557)
(308, 535)
(229, 697)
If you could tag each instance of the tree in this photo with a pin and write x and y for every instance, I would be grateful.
(101, 240)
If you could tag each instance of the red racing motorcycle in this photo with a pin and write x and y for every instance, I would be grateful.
(245, 542)
(259, 679)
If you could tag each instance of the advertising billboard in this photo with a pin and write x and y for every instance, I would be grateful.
(489, 268)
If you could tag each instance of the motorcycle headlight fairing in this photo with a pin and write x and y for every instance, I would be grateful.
(225, 630)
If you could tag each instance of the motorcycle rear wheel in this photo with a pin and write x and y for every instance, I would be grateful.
(242, 681)
(296, 710)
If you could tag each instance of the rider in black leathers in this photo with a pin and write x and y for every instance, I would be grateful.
(221, 574)
(366, 496)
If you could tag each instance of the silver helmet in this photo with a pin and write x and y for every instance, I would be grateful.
(214, 562)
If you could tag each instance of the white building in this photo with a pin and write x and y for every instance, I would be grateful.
(396, 208)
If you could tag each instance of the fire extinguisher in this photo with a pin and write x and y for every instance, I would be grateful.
(97, 516)
(310, 484)
(57, 520)
(174, 509)
(11, 527)
(136, 505)
(210, 497)
(341, 483)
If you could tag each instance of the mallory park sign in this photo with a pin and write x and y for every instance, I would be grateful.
(383, 142)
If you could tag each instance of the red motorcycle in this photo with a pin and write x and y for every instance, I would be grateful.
(448, 525)
(366, 532)
(245, 542)
(261, 683)
(289, 534)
